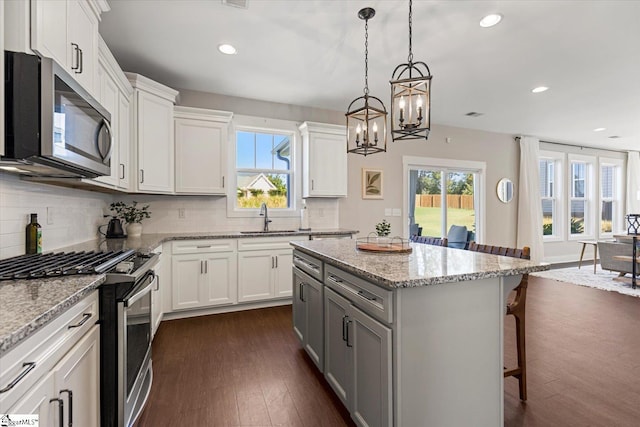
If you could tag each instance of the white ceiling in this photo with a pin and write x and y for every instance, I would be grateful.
(311, 53)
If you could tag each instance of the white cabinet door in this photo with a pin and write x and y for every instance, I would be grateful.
(155, 143)
(38, 401)
(124, 142)
(77, 381)
(337, 361)
(324, 161)
(282, 273)
(185, 281)
(255, 275)
(82, 39)
(109, 98)
(371, 352)
(156, 293)
(49, 30)
(220, 280)
(201, 156)
(204, 280)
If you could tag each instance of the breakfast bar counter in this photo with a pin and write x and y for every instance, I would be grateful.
(407, 339)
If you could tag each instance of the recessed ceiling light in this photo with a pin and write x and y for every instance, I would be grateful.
(599, 129)
(227, 49)
(539, 89)
(490, 20)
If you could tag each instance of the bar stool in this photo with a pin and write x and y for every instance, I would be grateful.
(516, 309)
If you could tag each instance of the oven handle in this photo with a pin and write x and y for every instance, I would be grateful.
(140, 293)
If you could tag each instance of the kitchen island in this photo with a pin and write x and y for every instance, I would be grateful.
(407, 339)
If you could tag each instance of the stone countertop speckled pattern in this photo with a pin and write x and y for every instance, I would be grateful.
(426, 265)
(28, 305)
(148, 242)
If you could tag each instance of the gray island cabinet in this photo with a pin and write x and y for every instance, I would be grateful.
(407, 339)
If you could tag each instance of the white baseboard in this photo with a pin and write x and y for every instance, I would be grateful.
(183, 314)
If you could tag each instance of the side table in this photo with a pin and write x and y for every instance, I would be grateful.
(593, 243)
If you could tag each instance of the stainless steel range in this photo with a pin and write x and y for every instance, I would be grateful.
(125, 321)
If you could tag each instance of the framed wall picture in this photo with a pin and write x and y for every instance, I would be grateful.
(372, 184)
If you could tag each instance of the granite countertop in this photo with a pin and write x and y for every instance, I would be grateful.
(426, 265)
(148, 242)
(28, 305)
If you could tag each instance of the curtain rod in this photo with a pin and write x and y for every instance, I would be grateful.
(517, 138)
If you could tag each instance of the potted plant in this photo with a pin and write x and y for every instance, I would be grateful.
(383, 229)
(132, 216)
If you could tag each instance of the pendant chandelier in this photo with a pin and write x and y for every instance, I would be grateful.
(410, 98)
(366, 115)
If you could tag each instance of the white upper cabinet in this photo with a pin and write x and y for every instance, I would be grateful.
(153, 134)
(324, 160)
(114, 94)
(67, 31)
(201, 138)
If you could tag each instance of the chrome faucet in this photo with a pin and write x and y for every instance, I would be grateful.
(265, 212)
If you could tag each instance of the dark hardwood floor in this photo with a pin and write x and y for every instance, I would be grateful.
(247, 368)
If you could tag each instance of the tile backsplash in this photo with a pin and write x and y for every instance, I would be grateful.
(69, 216)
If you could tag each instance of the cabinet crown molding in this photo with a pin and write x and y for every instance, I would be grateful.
(182, 112)
(106, 58)
(323, 128)
(143, 83)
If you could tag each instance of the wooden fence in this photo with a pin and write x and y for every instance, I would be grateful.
(454, 201)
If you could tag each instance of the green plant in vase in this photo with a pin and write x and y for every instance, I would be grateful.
(132, 215)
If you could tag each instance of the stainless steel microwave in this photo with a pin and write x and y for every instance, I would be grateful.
(53, 127)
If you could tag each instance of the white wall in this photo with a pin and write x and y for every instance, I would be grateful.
(75, 214)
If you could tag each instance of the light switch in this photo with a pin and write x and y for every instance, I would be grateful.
(397, 212)
(388, 211)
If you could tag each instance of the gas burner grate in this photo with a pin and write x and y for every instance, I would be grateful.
(60, 264)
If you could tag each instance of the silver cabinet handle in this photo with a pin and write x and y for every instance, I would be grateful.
(344, 327)
(29, 367)
(81, 62)
(272, 262)
(223, 182)
(70, 411)
(85, 317)
(60, 410)
(335, 279)
(141, 176)
(367, 296)
(122, 169)
(201, 267)
(312, 185)
(301, 291)
(276, 261)
(203, 246)
(206, 267)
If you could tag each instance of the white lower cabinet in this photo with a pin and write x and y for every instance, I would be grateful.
(358, 360)
(157, 291)
(204, 274)
(308, 317)
(264, 268)
(55, 373)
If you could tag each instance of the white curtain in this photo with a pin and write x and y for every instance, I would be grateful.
(633, 183)
(529, 204)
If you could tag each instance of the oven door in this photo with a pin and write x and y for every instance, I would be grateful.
(134, 342)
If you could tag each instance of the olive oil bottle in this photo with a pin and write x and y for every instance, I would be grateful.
(34, 236)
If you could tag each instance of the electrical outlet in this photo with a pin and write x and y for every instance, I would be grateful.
(181, 213)
(49, 216)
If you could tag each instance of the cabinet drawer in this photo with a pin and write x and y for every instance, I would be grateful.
(262, 243)
(372, 299)
(25, 364)
(310, 265)
(202, 246)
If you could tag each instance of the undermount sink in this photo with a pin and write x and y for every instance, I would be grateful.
(269, 232)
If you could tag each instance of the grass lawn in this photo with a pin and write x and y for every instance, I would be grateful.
(429, 219)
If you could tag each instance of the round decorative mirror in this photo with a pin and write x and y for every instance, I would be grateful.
(505, 190)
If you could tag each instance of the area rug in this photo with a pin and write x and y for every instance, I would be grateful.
(603, 279)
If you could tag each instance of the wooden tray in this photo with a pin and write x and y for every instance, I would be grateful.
(395, 246)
